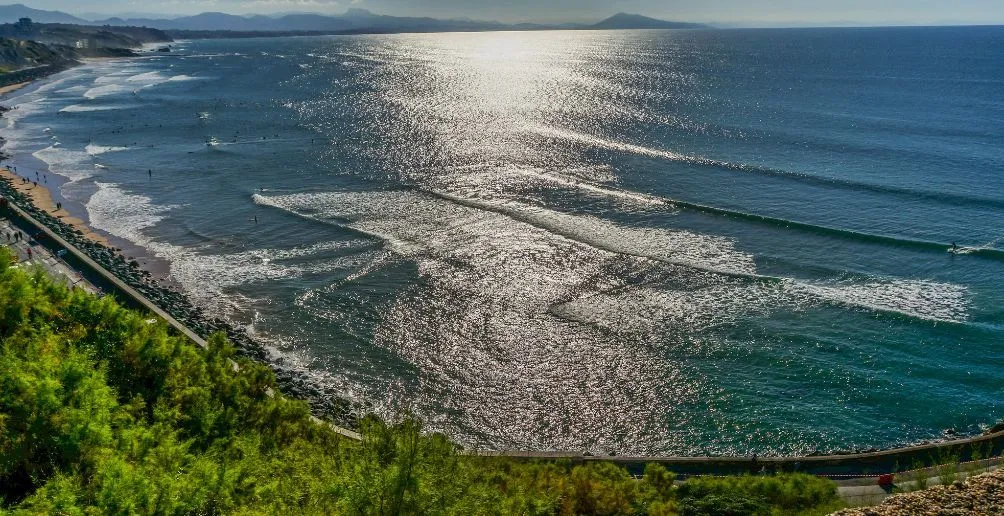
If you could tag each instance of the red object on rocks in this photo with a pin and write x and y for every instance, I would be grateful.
(886, 480)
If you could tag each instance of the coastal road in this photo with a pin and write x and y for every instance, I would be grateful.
(41, 256)
(856, 495)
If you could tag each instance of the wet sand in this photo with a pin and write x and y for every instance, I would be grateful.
(42, 199)
(13, 87)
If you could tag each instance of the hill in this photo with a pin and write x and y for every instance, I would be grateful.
(29, 50)
(13, 13)
(17, 55)
(354, 20)
(621, 21)
(86, 36)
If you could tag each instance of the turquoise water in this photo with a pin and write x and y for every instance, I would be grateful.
(641, 242)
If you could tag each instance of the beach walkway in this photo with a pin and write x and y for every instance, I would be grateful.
(857, 493)
(41, 256)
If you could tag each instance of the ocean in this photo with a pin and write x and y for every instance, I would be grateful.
(635, 242)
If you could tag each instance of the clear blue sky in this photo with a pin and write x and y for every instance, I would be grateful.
(742, 12)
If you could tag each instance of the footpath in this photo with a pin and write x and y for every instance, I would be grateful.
(27, 251)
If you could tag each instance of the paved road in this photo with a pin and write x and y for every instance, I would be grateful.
(873, 494)
(41, 256)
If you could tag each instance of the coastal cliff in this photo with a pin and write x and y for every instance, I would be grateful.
(29, 51)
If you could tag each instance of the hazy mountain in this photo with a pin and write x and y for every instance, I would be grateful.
(637, 21)
(353, 20)
(12, 13)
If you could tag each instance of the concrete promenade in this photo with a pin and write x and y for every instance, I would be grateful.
(42, 257)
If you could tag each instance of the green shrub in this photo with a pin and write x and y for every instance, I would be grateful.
(103, 412)
(787, 493)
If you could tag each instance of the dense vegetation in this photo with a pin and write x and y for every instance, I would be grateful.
(104, 411)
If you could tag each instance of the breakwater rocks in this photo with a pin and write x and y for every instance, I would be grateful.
(324, 402)
(983, 494)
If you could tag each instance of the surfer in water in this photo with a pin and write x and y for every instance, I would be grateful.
(955, 248)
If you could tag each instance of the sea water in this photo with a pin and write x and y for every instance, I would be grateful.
(640, 242)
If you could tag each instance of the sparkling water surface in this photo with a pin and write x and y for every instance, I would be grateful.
(641, 242)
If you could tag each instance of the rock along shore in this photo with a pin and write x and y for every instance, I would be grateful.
(326, 404)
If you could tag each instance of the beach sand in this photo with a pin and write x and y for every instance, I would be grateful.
(13, 87)
(42, 199)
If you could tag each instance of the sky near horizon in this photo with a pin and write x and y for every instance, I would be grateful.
(737, 12)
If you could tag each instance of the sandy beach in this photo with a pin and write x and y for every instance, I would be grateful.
(42, 198)
(13, 87)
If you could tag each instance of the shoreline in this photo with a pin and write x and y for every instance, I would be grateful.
(170, 300)
(13, 87)
(41, 197)
(158, 288)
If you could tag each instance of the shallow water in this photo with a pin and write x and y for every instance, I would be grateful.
(648, 242)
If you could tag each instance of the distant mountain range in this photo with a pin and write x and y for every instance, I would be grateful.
(12, 13)
(354, 20)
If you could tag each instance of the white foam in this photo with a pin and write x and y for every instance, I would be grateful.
(478, 232)
(24, 110)
(647, 308)
(207, 276)
(83, 108)
(706, 252)
(922, 299)
(147, 77)
(104, 91)
(595, 141)
(115, 77)
(95, 150)
(476, 179)
(124, 215)
(71, 164)
(74, 89)
(603, 143)
(989, 246)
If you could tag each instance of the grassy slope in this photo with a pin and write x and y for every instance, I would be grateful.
(15, 54)
(102, 410)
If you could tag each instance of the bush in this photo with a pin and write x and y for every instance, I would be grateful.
(787, 493)
(103, 412)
